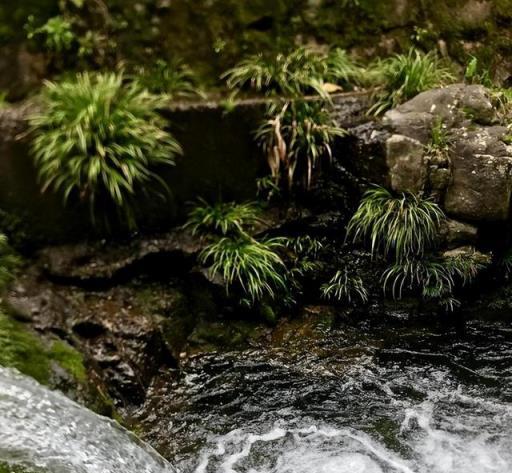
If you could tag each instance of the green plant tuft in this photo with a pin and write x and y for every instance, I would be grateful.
(344, 287)
(305, 246)
(403, 76)
(435, 277)
(56, 34)
(174, 79)
(296, 137)
(293, 74)
(254, 266)
(475, 73)
(224, 218)
(100, 140)
(404, 225)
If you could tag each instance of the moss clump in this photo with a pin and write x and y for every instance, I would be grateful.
(69, 359)
(4, 468)
(23, 350)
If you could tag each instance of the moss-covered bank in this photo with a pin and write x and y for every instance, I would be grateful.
(212, 35)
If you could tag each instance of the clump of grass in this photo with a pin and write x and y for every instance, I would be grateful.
(404, 225)
(432, 275)
(174, 79)
(254, 266)
(435, 277)
(403, 228)
(8, 262)
(439, 144)
(296, 138)
(99, 139)
(296, 73)
(224, 218)
(344, 287)
(403, 76)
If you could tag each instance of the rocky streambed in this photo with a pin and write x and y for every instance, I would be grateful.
(382, 386)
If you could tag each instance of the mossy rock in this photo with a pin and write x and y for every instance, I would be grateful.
(21, 349)
(5, 468)
(52, 362)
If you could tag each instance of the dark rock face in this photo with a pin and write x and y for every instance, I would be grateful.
(104, 263)
(364, 153)
(122, 345)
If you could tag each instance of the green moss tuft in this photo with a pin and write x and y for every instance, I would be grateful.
(4, 468)
(69, 359)
(22, 350)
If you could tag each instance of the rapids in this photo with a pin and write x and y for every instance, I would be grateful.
(361, 399)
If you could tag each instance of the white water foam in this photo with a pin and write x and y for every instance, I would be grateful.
(450, 432)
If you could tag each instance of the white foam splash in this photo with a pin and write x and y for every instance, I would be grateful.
(436, 434)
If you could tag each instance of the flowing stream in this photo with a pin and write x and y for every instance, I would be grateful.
(363, 399)
(45, 431)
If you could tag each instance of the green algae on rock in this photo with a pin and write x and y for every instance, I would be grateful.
(52, 362)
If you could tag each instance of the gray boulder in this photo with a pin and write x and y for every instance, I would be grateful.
(453, 105)
(481, 185)
(472, 175)
(407, 164)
